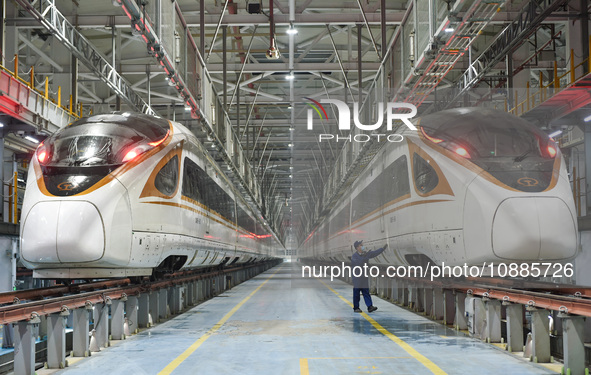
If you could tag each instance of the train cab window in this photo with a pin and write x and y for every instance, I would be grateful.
(190, 188)
(396, 180)
(167, 178)
(424, 174)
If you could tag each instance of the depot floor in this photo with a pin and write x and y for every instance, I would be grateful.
(281, 323)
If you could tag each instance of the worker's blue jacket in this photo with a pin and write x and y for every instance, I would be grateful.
(358, 260)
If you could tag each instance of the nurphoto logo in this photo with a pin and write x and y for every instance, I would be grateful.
(344, 120)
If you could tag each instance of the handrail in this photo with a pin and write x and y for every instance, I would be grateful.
(45, 93)
(542, 93)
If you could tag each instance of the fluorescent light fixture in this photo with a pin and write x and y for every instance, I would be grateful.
(31, 139)
(290, 176)
(1, 125)
(289, 107)
(587, 119)
(554, 134)
(449, 30)
(290, 76)
(187, 108)
(291, 145)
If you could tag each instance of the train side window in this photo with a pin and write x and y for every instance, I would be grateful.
(426, 178)
(396, 179)
(190, 187)
(168, 177)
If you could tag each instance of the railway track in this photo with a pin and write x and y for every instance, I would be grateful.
(25, 305)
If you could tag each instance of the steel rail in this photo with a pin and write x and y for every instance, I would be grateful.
(53, 299)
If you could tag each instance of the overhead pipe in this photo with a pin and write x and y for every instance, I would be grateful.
(273, 52)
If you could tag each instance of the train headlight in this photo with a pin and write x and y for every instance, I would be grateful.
(462, 152)
(134, 152)
(550, 149)
(138, 150)
(42, 154)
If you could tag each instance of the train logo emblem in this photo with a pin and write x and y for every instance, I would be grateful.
(528, 181)
(66, 186)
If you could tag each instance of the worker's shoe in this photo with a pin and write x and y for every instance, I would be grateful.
(357, 310)
(371, 308)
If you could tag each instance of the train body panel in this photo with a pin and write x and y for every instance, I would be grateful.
(448, 194)
(156, 202)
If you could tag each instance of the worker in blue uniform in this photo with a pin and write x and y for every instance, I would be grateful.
(361, 281)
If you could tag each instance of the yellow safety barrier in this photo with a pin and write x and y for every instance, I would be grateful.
(541, 95)
(45, 92)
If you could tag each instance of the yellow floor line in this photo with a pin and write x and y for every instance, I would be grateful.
(409, 349)
(304, 370)
(178, 360)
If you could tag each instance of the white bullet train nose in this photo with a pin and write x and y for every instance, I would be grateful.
(526, 228)
(63, 232)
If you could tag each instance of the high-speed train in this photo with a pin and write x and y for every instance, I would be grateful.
(471, 185)
(127, 194)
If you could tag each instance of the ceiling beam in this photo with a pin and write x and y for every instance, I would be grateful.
(298, 67)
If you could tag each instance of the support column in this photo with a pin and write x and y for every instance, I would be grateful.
(413, 297)
(449, 309)
(420, 299)
(143, 313)
(476, 313)
(24, 346)
(428, 301)
(131, 314)
(460, 313)
(493, 321)
(394, 294)
(74, 83)
(163, 304)
(80, 340)
(56, 340)
(540, 335)
(155, 306)
(176, 300)
(438, 304)
(514, 326)
(117, 319)
(190, 297)
(101, 324)
(405, 294)
(573, 328)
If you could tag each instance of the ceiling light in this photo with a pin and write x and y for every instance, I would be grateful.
(290, 76)
(289, 107)
(290, 176)
(29, 138)
(587, 119)
(449, 30)
(1, 125)
(554, 134)
(187, 108)
(291, 145)
(292, 30)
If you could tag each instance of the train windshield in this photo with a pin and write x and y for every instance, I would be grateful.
(102, 140)
(488, 134)
(511, 149)
(81, 154)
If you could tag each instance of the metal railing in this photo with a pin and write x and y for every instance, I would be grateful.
(73, 110)
(546, 91)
